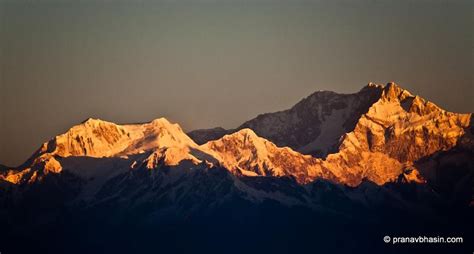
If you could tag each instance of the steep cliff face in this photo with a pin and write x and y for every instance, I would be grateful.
(313, 126)
(406, 127)
(396, 131)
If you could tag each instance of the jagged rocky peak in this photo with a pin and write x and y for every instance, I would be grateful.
(246, 133)
(405, 127)
(396, 102)
(316, 123)
(244, 152)
(241, 146)
(241, 152)
(93, 121)
(409, 102)
(392, 91)
(243, 138)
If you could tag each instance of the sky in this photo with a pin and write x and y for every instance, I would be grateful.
(216, 62)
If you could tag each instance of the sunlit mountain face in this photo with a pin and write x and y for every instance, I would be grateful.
(334, 173)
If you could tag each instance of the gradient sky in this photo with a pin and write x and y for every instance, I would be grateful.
(216, 63)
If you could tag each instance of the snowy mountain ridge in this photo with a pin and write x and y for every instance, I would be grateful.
(382, 144)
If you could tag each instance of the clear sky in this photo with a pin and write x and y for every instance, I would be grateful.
(216, 62)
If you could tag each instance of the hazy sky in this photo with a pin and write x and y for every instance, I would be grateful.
(216, 63)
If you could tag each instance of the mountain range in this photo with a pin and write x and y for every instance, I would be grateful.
(378, 156)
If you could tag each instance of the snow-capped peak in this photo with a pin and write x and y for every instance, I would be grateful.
(98, 138)
(243, 152)
(246, 135)
(82, 144)
(372, 134)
